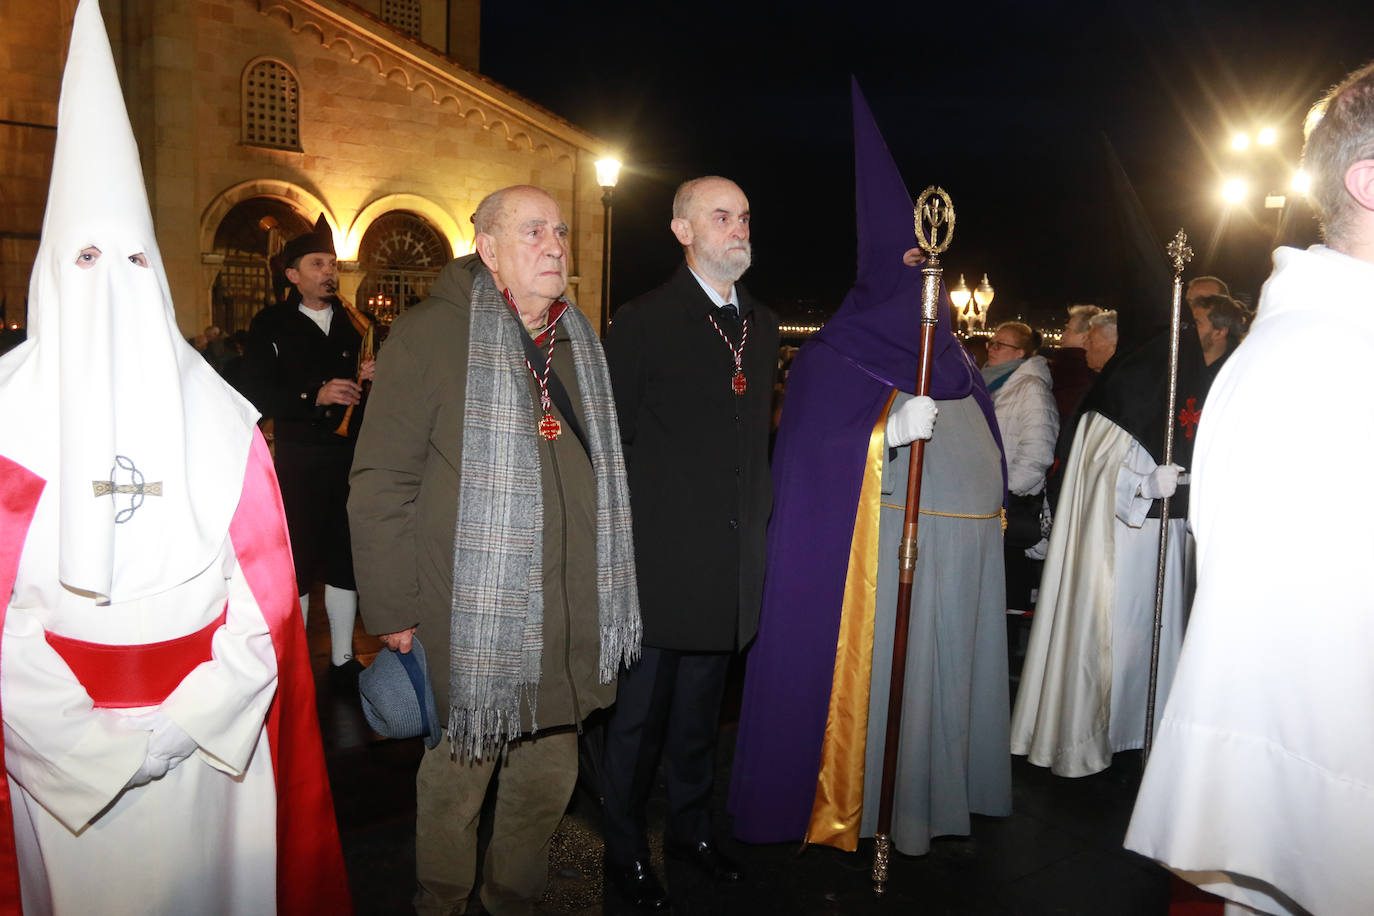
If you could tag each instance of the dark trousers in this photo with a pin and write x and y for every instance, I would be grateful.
(667, 705)
(314, 492)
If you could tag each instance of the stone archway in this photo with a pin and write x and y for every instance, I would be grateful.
(228, 246)
(251, 233)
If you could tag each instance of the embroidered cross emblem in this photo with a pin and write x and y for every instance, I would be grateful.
(136, 488)
(1189, 416)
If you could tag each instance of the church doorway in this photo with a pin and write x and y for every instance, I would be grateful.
(250, 235)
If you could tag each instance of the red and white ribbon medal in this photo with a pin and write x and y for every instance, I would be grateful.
(548, 427)
(738, 383)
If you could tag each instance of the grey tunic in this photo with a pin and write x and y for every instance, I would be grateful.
(954, 757)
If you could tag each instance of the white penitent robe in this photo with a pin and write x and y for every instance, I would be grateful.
(1260, 786)
(206, 832)
(1085, 681)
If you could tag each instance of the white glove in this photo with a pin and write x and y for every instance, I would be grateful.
(168, 745)
(913, 420)
(1161, 482)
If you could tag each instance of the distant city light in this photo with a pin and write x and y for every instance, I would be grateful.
(1240, 142)
(1266, 137)
(1302, 182)
(1233, 191)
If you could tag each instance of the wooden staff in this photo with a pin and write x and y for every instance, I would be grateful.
(934, 212)
(366, 350)
(1179, 254)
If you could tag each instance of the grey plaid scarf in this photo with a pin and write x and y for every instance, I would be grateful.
(497, 631)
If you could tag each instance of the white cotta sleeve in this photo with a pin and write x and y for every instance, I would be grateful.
(71, 757)
(223, 702)
(75, 759)
(1131, 507)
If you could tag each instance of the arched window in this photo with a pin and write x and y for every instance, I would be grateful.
(271, 105)
(402, 254)
(249, 236)
(403, 14)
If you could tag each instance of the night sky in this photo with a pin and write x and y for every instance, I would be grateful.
(1003, 104)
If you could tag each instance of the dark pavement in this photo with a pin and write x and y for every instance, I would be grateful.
(1059, 853)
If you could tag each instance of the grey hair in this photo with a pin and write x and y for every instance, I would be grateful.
(687, 192)
(1340, 133)
(490, 215)
(1105, 320)
(1080, 316)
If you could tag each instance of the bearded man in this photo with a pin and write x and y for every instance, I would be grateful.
(692, 364)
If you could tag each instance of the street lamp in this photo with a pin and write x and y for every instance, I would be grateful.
(1233, 191)
(971, 305)
(983, 295)
(959, 296)
(607, 173)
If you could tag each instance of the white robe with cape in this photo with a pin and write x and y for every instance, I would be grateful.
(1260, 786)
(1085, 679)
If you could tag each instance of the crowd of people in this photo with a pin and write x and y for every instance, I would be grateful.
(548, 525)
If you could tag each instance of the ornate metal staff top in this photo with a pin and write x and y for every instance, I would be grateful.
(1178, 250)
(934, 213)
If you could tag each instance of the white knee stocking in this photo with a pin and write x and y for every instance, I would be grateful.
(341, 606)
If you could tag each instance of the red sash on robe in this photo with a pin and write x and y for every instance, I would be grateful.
(310, 869)
(144, 674)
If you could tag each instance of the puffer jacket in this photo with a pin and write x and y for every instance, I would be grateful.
(1029, 422)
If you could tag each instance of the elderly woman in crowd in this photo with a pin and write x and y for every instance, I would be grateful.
(1028, 420)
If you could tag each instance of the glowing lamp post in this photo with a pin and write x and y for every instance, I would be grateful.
(607, 174)
(983, 297)
(971, 305)
(960, 295)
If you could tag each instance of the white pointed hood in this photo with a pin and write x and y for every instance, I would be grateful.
(141, 443)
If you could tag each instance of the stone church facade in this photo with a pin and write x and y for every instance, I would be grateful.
(255, 116)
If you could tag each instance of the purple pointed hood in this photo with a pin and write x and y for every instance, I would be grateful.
(878, 324)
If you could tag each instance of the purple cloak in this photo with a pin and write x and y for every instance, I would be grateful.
(837, 388)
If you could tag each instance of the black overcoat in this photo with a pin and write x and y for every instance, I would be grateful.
(287, 360)
(697, 458)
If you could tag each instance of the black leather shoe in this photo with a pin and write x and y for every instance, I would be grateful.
(637, 884)
(343, 679)
(705, 856)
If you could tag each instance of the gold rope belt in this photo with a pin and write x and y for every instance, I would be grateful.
(1000, 513)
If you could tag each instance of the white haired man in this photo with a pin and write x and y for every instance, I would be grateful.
(491, 517)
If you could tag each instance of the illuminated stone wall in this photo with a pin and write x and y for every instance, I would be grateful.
(385, 123)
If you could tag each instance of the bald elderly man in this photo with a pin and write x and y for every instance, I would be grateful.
(491, 520)
(693, 364)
